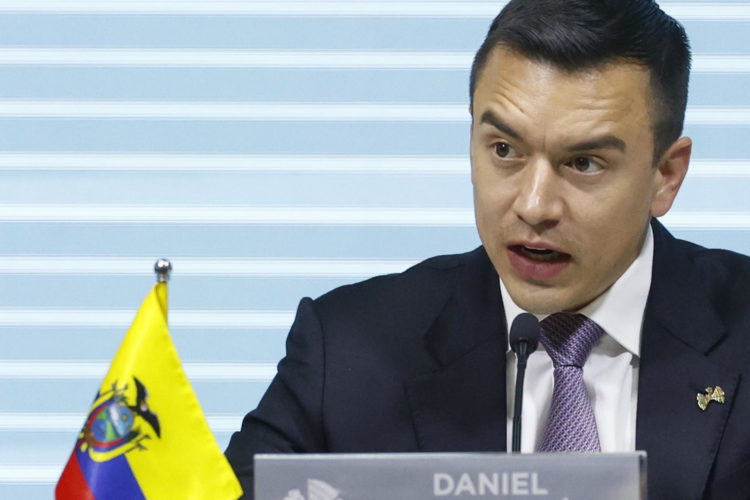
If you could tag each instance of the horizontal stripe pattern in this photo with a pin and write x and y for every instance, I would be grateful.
(341, 164)
(111, 91)
(719, 168)
(255, 268)
(292, 111)
(707, 220)
(255, 8)
(199, 214)
(709, 115)
(237, 110)
(196, 58)
(178, 318)
(331, 216)
(320, 59)
(681, 10)
(29, 474)
(96, 370)
(134, 162)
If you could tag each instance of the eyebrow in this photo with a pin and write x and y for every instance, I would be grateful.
(494, 120)
(604, 142)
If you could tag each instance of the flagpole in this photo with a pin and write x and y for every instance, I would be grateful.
(162, 268)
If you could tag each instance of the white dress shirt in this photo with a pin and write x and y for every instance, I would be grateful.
(610, 372)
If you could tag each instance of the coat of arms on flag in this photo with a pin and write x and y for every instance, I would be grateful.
(116, 425)
(145, 436)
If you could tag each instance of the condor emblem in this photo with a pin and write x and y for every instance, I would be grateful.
(115, 427)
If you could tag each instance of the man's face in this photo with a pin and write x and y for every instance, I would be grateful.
(563, 175)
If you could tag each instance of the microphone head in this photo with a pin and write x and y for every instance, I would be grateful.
(524, 328)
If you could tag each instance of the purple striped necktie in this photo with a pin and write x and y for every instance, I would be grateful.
(568, 339)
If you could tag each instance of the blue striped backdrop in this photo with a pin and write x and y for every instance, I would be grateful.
(271, 150)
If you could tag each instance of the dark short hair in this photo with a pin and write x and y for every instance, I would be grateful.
(583, 34)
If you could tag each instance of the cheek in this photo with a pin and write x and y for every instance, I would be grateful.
(622, 202)
(491, 186)
(613, 233)
(483, 212)
(610, 225)
(490, 201)
(474, 159)
(487, 213)
(492, 214)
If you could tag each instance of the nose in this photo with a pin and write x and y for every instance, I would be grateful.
(538, 201)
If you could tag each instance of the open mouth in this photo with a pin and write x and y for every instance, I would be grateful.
(540, 254)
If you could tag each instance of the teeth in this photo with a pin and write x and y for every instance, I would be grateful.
(540, 254)
(538, 250)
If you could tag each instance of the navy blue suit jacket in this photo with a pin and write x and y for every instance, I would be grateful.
(416, 362)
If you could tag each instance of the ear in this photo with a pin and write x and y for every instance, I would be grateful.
(671, 171)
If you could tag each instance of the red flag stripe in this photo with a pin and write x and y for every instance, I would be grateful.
(72, 484)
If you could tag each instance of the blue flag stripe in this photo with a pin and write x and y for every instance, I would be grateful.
(110, 480)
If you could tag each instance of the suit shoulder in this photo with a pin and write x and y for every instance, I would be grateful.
(428, 281)
(717, 263)
(724, 273)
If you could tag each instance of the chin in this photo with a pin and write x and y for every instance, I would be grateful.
(540, 309)
(542, 301)
(537, 305)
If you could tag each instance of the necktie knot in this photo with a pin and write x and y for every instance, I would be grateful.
(569, 338)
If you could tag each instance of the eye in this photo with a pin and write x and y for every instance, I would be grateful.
(584, 164)
(504, 150)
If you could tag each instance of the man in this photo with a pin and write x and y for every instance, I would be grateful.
(577, 109)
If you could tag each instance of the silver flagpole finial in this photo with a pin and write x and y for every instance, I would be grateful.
(162, 268)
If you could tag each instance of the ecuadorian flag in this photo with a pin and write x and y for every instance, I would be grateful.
(145, 436)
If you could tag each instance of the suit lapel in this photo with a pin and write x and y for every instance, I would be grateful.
(680, 328)
(461, 405)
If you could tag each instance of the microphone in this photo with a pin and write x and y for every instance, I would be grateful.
(523, 337)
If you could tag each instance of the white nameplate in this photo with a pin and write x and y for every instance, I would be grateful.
(430, 476)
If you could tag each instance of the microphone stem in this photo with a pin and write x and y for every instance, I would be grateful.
(522, 356)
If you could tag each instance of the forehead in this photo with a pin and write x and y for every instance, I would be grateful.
(512, 84)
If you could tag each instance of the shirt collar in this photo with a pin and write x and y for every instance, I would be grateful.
(620, 309)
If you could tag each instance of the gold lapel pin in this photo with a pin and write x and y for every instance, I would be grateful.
(712, 394)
